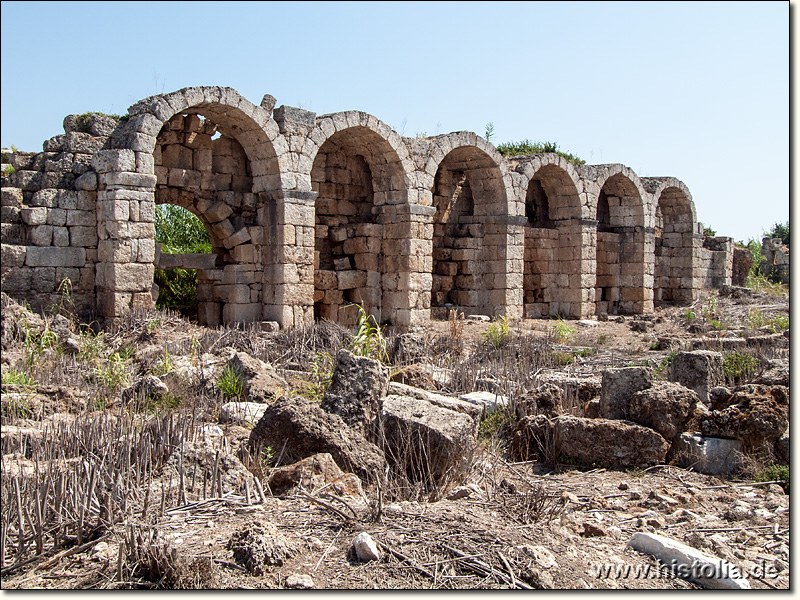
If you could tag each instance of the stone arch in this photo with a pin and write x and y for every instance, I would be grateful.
(674, 228)
(553, 252)
(623, 278)
(222, 159)
(360, 178)
(471, 267)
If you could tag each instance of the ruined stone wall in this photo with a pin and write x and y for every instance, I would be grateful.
(776, 259)
(310, 215)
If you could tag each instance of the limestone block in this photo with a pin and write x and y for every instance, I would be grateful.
(13, 256)
(218, 212)
(366, 262)
(60, 236)
(10, 196)
(127, 179)
(83, 236)
(16, 279)
(34, 216)
(186, 178)
(351, 279)
(241, 313)
(105, 161)
(55, 257)
(360, 245)
(41, 235)
(368, 230)
(114, 210)
(130, 277)
(240, 237)
(342, 264)
(82, 218)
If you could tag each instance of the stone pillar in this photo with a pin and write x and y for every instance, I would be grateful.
(287, 257)
(126, 233)
(589, 267)
(407, 249)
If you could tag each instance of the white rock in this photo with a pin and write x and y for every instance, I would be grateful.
(365, 547)
(689, 563)
(490, 400)
(481, 318)
(300, 581)
(242, 412)
(588, 323)
(543, 557)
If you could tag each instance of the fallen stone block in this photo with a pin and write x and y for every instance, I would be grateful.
(357, 385)
(608, 442)
(689, 563)
(712, 456)
(241, 412)
(699, 370)
(427, 443)
(618, 386)
(298, 428)
(474, 411)
(665, 407)
(488, 400)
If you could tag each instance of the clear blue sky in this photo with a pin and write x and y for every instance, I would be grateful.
(699, 91)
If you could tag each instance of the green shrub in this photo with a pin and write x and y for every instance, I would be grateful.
(562, 359)
(368, 339)
(14, 377)
(528, 147)
(497, 333)
(563, 331)
(776, 473)
(495, 422)
(179, 232)
(738, 365)
(780, 230)
(230, 383)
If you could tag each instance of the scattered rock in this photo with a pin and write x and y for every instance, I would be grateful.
(258, 545)
(782, 448)
(261, 381)
(427, 442)
(365, 547)
(313, 473)
(300, 582)
(448, 402)
(619, 385)
(148, 387)
(408, 348)
(689, 563)
(357, 386)
(545, 400)
(489, 400)
(301, 428)
(758, 415)
(665, 407)
(241, 412)
(588, 323)
(712, 456)
(414, 375)
(699, 370)
(592, 530)
(607, 442)
(543, 557)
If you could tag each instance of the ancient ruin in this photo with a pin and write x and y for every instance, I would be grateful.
(310, 215)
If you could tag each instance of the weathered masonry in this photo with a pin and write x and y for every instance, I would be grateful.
(311, 214)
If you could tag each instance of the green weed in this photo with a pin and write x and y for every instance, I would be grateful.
(776, 473)
(14, 377)
(562, 331)
(114, 374)
(738, 365)
(230, 383)
(528, 147)
(497, 333)
(368, 339)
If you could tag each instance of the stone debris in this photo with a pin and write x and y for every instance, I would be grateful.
(299, 581)
(357, 385)
(699, 370)
(298, 428)
(365, 547)
(242, 412)
(424, 440)
(260, 545)
(489, 400)
(689, 563)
